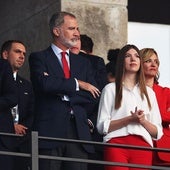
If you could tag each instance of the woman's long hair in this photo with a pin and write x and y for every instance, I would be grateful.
(120, 71)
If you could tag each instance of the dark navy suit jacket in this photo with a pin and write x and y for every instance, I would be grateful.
(51, 113)
(25, 106)
(101, 79)
(25, 102)
(99, 69)
(8, 99)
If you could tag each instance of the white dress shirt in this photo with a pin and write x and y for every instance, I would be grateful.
(14, 110)
(57, 52)
(130, 100)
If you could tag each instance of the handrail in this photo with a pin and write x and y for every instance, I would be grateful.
(35, 156)
(105, 144)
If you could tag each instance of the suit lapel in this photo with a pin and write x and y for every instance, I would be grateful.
(73, 65)
(19, 87)
(53, 63)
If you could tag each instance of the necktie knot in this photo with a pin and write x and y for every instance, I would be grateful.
(63, 54)
(65, 65)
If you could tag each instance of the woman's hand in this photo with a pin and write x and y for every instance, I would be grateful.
(138, 116)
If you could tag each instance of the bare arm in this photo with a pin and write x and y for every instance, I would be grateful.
(140, 118)
(117, 124)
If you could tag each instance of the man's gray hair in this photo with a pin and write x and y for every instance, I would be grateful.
(57, 19)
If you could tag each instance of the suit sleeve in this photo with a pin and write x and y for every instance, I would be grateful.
(8, 94)
(85, 97)
(28, 120)
(101, 74)
(44, 81)
(165, 112)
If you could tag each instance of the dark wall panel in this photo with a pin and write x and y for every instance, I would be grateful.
(27, 21)
(149, 11)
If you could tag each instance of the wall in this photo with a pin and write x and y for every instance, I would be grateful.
(104, 21)
(28, 22)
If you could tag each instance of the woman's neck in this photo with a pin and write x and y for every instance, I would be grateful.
(149, 81)
(129, 81)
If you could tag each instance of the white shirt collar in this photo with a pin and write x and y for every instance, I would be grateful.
(15, 75)
(57, 50)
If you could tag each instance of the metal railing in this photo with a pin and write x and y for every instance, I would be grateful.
(35, 156)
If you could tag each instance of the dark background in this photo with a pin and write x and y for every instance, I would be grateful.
(149, 11)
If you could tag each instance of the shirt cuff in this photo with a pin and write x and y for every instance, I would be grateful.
(106, 127)
(77, 85)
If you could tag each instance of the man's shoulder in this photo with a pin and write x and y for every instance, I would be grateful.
(78, 57)
(92, 56)
(40, 52)
(4, 62)
(96, 56)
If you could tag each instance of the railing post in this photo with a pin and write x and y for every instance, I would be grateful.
(34, 150)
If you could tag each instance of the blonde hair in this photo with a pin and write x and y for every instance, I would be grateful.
(145, 54)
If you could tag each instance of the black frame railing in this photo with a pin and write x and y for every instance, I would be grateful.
(35, 156)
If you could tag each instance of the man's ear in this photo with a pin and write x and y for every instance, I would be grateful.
(5, 55)
(56, 31)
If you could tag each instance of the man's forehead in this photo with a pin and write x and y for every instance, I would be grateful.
(70, 20)
(18, 46)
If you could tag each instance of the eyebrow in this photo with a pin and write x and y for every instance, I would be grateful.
(18, 50)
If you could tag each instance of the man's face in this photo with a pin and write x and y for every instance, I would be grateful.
(68, 33)
(76, 49)
(15, 56)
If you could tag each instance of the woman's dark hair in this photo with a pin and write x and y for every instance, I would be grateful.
(120, 71)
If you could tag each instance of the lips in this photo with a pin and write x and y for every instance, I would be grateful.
(74, 48)
(133, 64)
(153, 69)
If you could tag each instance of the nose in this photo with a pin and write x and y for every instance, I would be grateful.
(77, 32)
(154, 63)
(133, 58)
(22, 56)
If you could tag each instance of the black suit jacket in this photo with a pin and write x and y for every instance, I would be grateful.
(25, 107)
(100, 75)
(51, 113)
(99, 69)
(25, 102)
(8, 99)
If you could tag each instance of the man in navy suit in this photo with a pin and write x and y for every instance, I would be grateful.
(60, 101)
(84, 47)
(101, 79)
(8, 99)
(14, 51)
